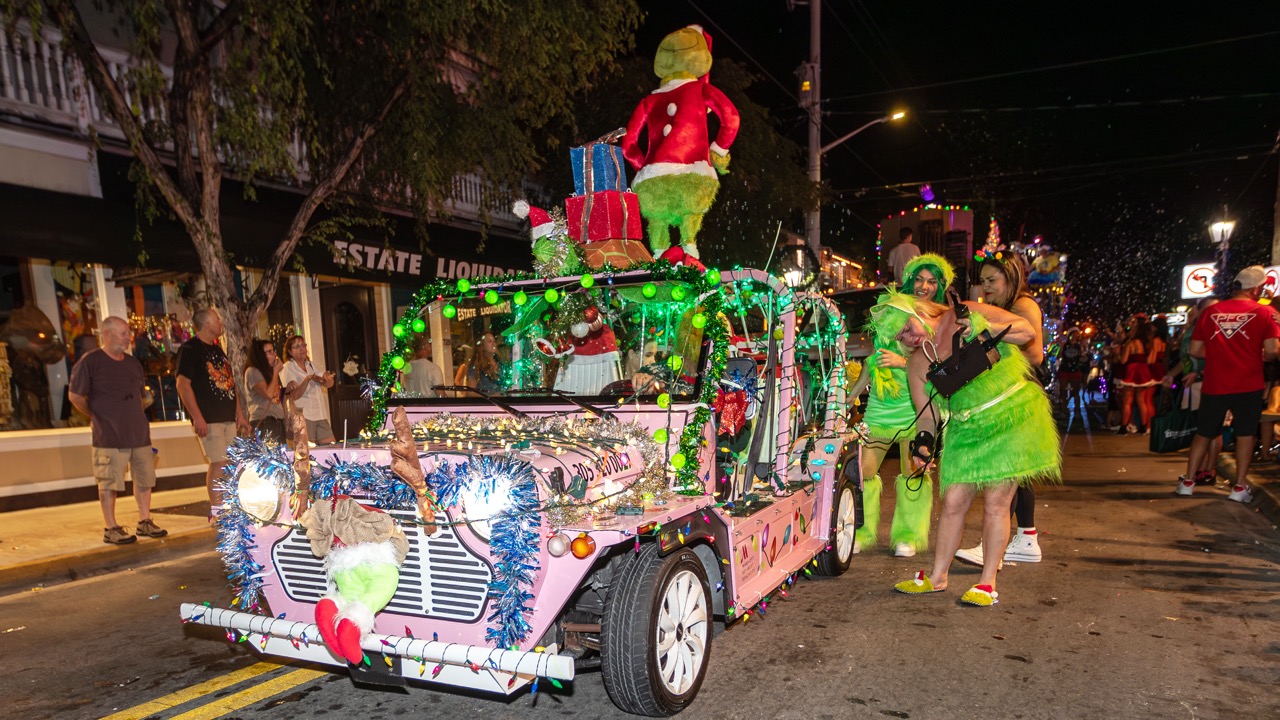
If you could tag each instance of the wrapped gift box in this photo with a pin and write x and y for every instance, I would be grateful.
(607, 169)
(618, 253)
(600, 216)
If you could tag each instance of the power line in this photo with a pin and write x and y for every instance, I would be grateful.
(1075, 106)
(1059, 66)
(1243, 152)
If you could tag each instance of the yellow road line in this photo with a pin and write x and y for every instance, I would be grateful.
(161, 704)
(231, 703)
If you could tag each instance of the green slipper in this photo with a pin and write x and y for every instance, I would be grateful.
(980, 595)
(919, 585)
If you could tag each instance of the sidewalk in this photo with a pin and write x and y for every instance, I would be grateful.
(49, 545)
(1265, 479)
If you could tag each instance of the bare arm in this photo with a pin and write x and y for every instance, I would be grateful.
(1029, 310)
(81, 402)
(917, 366)
(1020, 331)
(188, 397)
(1196, 350)
(1270, 348)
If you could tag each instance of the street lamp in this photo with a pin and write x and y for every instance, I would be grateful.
(1220, 234)
(798, 264)
(813, 218)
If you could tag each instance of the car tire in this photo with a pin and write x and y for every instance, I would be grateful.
(655, 636)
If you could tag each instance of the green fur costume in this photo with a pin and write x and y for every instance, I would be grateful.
(890, 417)
(675, 200)
(1001, 426)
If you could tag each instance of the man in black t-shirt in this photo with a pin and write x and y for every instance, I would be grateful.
(207, 386)
(108, 385)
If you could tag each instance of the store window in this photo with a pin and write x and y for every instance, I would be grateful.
(32, 351)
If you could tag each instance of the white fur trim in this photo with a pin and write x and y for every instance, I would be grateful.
(357, 613)
(702, 167)
(690, 250)
(670, 85)
(719, 150)
(520, 209)
(353, 556)
(542, 230)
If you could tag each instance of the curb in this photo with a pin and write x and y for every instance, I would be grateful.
(1266, 496)
(76, 566)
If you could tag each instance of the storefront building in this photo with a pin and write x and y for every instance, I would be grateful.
(74, 249)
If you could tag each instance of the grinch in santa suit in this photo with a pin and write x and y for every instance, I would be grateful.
(677, 181)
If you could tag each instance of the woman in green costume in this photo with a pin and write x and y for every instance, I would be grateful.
(1000, 433)
(890, 417)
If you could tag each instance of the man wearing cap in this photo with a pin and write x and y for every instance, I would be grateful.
(1234, 337)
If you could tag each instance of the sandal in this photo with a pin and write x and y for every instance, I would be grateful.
(980, 595)
(919, 585)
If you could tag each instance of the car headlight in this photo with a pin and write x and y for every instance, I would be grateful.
(258, 496)
(482, 505)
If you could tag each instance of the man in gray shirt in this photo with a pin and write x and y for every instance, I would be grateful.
(902, 254)
(108, 385)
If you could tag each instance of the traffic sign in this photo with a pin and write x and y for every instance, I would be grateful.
(1273, 280)
(1197, 280)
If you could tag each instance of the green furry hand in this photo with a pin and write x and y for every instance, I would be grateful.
(720, 162)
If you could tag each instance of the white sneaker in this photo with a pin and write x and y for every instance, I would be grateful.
(903, 550)
(1185, 486)
(1241, 494)
(857, 547)
(1023, 548)
(972, 555)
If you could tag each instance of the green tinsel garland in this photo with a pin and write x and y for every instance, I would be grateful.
(702, 285)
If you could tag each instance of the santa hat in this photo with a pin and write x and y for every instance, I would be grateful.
(538, 218)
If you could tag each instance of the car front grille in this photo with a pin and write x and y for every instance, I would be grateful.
(440, 577)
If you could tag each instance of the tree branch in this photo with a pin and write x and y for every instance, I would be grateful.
(321, 192)
(77, 38)
(221, 25)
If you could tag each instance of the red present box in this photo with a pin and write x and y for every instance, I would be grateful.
(610, 215)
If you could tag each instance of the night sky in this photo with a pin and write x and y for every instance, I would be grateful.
(1117, 131)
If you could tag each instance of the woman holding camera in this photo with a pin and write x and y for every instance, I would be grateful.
(1000, 433)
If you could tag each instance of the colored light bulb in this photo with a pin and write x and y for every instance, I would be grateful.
(397, 330)
(649, 290)
(520, 298)
(419, 325)
(449, 311)
(491, 297)
(551, 295)
(463, 285)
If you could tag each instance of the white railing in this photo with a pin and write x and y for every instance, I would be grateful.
(38, 81)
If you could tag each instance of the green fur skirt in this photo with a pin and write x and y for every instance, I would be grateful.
(1013, 440)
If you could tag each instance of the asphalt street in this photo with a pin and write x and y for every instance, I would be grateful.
(1147, 605)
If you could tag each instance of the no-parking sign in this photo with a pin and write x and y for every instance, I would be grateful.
(1197, 280)
(1273, 280)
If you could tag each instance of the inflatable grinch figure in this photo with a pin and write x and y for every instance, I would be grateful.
(677, 182)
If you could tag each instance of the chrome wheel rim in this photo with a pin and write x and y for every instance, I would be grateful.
(682, 632)
(846, 520)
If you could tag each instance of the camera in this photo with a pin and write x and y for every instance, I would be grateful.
(968, 360)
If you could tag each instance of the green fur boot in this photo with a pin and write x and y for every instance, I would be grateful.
(911, 514)
(865, 537)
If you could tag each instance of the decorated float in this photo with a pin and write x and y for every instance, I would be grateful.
(664, 451)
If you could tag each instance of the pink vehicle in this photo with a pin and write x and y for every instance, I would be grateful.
(612, 501)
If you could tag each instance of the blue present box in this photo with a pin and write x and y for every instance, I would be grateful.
(607, 171)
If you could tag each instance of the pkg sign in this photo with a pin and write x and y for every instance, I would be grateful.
(1273, 280)
(1197, 280)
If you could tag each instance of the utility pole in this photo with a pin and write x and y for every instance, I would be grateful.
(811, 100)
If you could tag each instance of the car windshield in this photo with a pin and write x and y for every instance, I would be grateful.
(608, 339)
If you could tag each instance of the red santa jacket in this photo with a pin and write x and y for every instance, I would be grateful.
(675, 117)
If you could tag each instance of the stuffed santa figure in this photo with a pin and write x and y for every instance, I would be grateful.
(593, 361)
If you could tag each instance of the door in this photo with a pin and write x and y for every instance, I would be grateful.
(350, 346)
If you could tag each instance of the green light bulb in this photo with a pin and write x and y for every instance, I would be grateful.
(700, 321)
(713, 277)
(649, 290)
(520, 298)
(419, 325)
(587, 280)
(397, 330)
(449, 311)
(664, 401)
(397, 362)
(675, 362)
(678, 461)
(491, 297)
(660, 435)
(678, 293)
(551, 295)
(463, 285)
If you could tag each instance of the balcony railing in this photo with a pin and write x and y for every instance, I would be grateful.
(42, 84)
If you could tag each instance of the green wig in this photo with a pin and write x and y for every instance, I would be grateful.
(935, 264)
(888, 317)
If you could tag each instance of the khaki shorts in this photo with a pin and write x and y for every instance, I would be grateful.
(109, 465)
(319, 431)
(216, 442)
